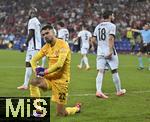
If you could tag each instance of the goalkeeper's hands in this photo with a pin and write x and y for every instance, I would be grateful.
(40, 71)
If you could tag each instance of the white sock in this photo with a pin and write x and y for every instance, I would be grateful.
(99, 80)
(28, 74)
(85, 59)
(116, 81)
(81, 62)
(43, 61)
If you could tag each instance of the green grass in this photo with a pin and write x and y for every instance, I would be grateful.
(133, 107)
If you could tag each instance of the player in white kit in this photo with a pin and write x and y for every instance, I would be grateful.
(104, 33)
(63, 32)
(85, 36)
(33, 44)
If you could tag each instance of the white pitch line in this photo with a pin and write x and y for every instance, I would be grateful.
(18, 67)
(80, 95)
(138, 92)
(12, 67)
(92, 94)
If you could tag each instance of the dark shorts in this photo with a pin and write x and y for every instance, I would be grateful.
(145, 49)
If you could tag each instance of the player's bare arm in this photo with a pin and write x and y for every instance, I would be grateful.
(92, 42)
(75, 39)
(30, 36)
(134, 30)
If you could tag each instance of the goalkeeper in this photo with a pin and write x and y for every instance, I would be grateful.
(57, 76)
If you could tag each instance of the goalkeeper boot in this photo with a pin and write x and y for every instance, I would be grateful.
(121, 92)
(101, 95)
(78, 105)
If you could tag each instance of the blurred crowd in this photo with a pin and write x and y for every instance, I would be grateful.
(14, 16)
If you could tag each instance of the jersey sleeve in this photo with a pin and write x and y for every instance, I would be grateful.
(112, 30)
(63, 52)
(44, 50)
(79, 34)
(90, 34)
(34, 60)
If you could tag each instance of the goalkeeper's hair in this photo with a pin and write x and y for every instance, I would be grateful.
(50, 27)
(47, 26)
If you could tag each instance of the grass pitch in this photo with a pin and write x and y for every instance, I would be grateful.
(133, 107)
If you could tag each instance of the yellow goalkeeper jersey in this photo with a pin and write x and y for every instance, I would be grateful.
(59, 57)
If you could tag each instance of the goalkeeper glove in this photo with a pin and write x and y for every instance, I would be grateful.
(40, 71)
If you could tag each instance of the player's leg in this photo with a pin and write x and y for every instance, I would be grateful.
(113, 63)
(117, 82)
(82, 59)
(132, 41)
(35, 85)
(149, 62)
(59, 95)
(40, 82)
(81, 63)
(140, 59)
(99, 79)
(28, 71)
(86, 62)
(85, 59)
(141, 66)
(148, 55)
(28, 74)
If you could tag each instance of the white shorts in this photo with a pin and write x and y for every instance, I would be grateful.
(30, 54)
(84, 51)
(102, 62)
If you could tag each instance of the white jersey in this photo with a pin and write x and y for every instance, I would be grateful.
(85, 36)
(35, 42)
(102, 32)
(63, 34)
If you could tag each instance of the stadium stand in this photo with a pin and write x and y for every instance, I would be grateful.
(13, 17)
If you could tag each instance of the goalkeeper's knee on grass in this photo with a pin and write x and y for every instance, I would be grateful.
(35, 81)
(39, 82)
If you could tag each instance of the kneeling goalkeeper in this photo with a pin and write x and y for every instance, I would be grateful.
(57, 76)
